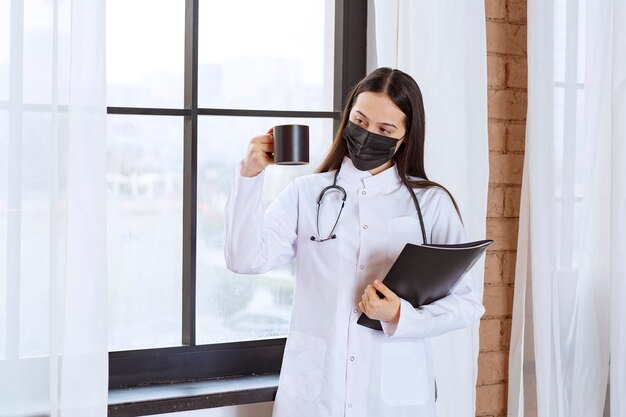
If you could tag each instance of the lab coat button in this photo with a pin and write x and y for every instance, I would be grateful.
(356, 311)
(349, 405)
(351, 358)
(363, 192)
(364, 226)
(362, 266)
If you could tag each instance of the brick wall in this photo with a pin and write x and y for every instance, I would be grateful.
(507, 98)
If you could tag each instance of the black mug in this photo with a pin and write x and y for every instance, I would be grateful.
(291, 144)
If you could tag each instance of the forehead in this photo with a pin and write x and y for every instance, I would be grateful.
(378, 108)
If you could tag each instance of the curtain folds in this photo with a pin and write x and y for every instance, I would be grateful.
(442, 45)
(53, 290)
(568, 330)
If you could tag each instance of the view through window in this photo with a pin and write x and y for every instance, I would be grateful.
(268, 58)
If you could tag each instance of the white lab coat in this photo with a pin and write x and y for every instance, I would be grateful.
(333, 366)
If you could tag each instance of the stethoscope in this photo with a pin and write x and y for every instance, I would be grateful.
(331, 235)
(339, 188)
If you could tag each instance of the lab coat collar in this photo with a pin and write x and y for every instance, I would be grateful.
(388, 177)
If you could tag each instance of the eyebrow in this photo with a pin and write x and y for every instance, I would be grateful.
(383, 123)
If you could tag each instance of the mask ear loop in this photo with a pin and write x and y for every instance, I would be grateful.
(398, 146)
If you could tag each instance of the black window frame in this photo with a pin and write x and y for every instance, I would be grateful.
(191, 362)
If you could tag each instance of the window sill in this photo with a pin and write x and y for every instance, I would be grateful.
(169, 398)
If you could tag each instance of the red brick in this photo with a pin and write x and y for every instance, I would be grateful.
(490, 335)
(517, 11)
(505, 168)
(497, 135)
(505, 38)
(507, 104)
(495, 202)
(498, 302)
(508, 267)
(495, 9)
(512, 201)
(505, 327)
(491, 400)
(517, 72)
(515, 137)
(503, 232)
(493, 267)
(492, 367)
(496, 71)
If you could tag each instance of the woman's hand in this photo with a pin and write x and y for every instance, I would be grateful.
(385, 309)
(257, 159)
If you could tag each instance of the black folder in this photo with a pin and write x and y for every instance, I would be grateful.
(425, 273)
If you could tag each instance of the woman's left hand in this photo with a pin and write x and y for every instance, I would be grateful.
(376, 308)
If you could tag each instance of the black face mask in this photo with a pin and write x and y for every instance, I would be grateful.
(368, 150)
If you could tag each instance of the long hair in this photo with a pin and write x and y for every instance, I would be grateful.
(404, 92)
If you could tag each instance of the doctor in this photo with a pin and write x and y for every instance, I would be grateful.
(333, 366)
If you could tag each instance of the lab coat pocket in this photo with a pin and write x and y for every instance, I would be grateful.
(302, 371)
(404, 380)
(402, 230)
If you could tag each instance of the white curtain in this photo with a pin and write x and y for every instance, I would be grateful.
(53, 292)
(442, 45)
(569, 313)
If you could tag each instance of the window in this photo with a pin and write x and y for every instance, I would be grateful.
(188, 86)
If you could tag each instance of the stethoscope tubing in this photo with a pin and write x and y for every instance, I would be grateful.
(334, 186)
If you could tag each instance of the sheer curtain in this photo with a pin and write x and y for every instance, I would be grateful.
(53, 292)
(442, 45)
(569, 314)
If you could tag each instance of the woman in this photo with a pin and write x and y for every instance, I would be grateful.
(333, 366)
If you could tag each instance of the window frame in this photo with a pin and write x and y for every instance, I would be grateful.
(191, 362)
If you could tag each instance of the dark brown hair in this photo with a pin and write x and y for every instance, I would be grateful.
(404, 92)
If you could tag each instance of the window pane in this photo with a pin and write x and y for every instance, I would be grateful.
(274, 54)
(145, 53)
(4, 50)
(232, 307)
(145, 200)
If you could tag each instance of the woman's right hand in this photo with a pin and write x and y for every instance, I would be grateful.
(257, 159)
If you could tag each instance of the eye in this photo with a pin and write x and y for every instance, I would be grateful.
(359, 121)
(384, 131)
